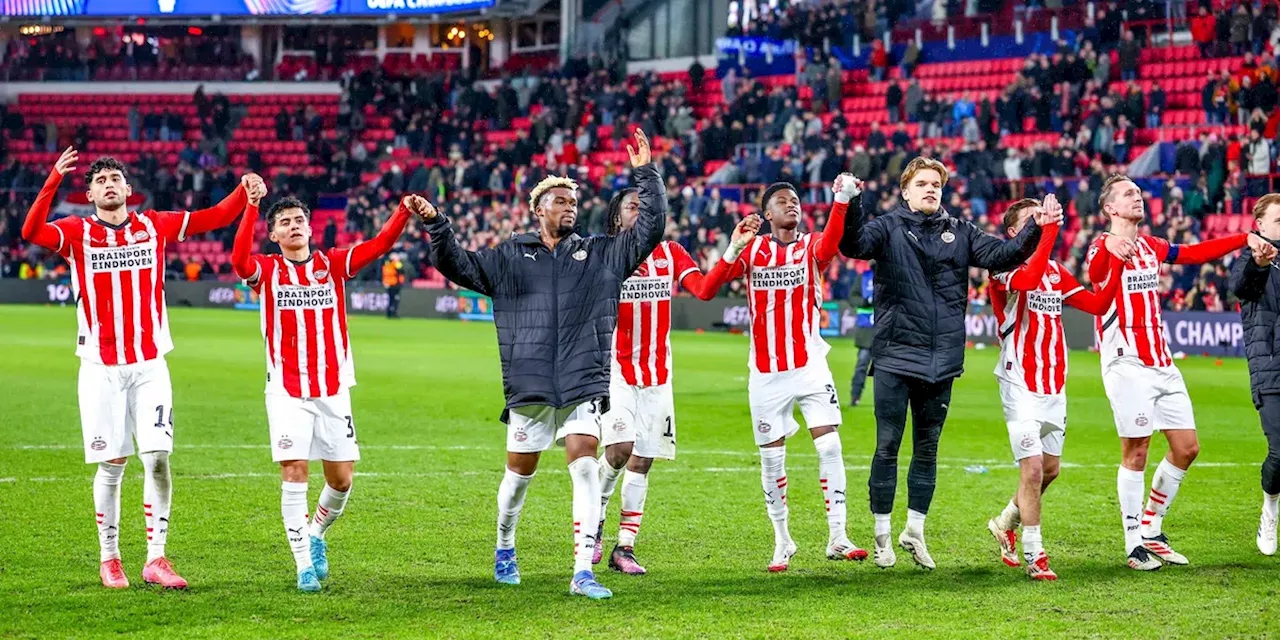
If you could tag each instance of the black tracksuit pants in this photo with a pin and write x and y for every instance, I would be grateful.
(928, 402)
(1269, 410)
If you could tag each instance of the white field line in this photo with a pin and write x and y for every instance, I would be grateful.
(557, 470)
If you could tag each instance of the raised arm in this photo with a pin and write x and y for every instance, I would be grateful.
(846, 187)
(223, 213)
(476, 271)
(861, 239)
(1028, 276)
(629, 248)
(989, 252)
(36, 228)
(242, 261)
(1208, 251)
(1249, 274)
(364, 253)
(1099, 301)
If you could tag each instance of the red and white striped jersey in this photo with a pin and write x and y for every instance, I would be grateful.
(1133, 326)
(784, 294)
(1033, 349)
(304, 323)
(118, 281)
(642, 340)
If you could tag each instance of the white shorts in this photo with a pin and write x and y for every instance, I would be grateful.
(643, 415)
(1146, 399)
(1037, 422)
(774, 396)
(121, 403)
(312, 429)
(534, 428)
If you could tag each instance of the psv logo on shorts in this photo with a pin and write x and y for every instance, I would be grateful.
(1141, 421)
(1027, 442)
(284, 443)
(619, 426)
(98, 444)
(764, 427)
(520, 435)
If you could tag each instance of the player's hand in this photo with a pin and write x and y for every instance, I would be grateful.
(641, 155)
(1122, 248)
(745, 232)
(846, 187)
(1049, 212)
(254, 186)
(67, 161)
(420, 207)
(1263, 252)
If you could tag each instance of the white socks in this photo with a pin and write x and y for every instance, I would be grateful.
(1032, 546)
(773, 477)
(635, 486)
(106, 504)
(510, 501)
(585, 473)
(329, 507)
(608, 481)
(1129, 487)
(883, 524)
(293, 509)
(1271, 505)
(1164, 488)
(157, 493)
(1010, 518)
(915, 522)
(831, 477)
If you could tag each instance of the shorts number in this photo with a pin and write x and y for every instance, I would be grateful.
(835, 399)
(160, 424)
(351, 427)
(669, 433)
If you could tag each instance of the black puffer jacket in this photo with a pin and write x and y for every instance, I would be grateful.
(922, 284)
(555, 311)
(1259, 296)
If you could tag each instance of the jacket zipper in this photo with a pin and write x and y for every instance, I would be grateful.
(555, 317)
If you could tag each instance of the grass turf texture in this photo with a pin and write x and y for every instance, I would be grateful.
(413, 553)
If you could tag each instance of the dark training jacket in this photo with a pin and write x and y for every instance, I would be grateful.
(922, 283)
(1259, 295)
(555, 311)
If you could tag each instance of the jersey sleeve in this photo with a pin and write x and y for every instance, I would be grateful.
(682, 263)
(1067, 284)
(70, 231)
(262, 266)
(1160, 246)
(171, 224)
(341, 261)
(1097, 259)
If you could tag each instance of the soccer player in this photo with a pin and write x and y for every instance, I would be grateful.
(1032, 372)
(1146, 390)
(641, 423)
(117, 266)
(788, 360)
(309, 367)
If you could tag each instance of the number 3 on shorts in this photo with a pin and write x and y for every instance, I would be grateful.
(351, 427)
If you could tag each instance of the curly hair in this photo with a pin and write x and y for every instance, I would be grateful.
(548, 183)
(279, 206)
(106, 163)
(613, 226)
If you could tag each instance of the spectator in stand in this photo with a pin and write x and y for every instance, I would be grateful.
(879, 61)
(1204, 31)
(1155, 106)
(1130, 51)
(1239, 26)
(910, 58)
(893, 101)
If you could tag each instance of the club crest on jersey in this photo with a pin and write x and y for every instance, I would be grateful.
(948, 237)
(321, 274)
(1054, 278)
(660, 263)
(764, 427)
(284, 443)
(98, 444)
(141, 236)
(580, 255)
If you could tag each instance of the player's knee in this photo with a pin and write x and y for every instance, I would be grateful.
(618, 454)
(1189, 451)
(339, 483)
(156, 462)
(1050, 472)
(1033, 472)
(293, 471)
(119, 461)
(639, 465)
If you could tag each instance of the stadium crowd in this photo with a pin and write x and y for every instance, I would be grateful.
(1085, 91)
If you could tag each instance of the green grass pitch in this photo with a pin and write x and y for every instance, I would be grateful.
(412, 555)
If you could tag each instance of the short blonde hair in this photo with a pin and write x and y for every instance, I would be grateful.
(921, 164)
(1107, 186)
(548, 183)
(1260, 207)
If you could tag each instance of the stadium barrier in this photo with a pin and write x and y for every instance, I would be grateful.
(1190, 332)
